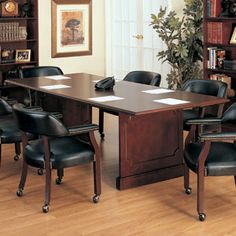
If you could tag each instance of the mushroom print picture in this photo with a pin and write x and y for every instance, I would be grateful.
(72, 28)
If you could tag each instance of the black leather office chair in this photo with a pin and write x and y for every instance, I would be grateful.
(206, 87)
(30, 98)
(59, 147)
(9, 133)
(212, 155)
(142, 77)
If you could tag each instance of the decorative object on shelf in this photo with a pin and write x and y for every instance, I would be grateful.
(22, 33)
(7, 56)
(183, 39)
(232, 8)
(23, 55)
(233, 37)
(71, 28)
(9, 8)
(225, 6)
(26, 9)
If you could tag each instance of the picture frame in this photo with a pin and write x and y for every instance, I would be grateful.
(71, 28)
(233, 37)
(23, 55)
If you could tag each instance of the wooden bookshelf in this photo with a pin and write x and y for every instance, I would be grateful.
(19, 32)
(218, 25)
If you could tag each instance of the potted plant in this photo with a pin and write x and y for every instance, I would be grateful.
(183, 40)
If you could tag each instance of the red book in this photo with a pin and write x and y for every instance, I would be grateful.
(209, 32)
(223, 33)
(214, 32)
(215, 8)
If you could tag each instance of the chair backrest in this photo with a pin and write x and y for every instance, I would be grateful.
(5, 108)
(144, 77)
(206, 87)
(39, 71)
(38, 122)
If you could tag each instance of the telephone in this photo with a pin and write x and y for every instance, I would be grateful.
(105, 84)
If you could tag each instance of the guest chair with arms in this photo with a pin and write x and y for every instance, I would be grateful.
(142, 77)
(212, 155)
(59, 147)
(9, 132)
(206, 87)
(31, 98)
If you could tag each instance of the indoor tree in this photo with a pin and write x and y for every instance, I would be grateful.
(183, 40)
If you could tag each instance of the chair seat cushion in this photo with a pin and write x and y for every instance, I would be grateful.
(220, 161)
(65, 152)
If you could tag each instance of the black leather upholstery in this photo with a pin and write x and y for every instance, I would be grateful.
(212, 155)
(206, 87)
(39, 71)
(141, 77)
(31, 98)
(58, 147)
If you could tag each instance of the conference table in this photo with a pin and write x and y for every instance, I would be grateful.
(150, 120)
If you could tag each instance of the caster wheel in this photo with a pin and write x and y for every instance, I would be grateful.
(96, 198)
(188, 190)
(102, 136)
(19, 192)
(16, 157)
(58, 181)
(45, 208)
(40, 171)
(202, 216)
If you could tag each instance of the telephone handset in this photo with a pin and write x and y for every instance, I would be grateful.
(105, 84)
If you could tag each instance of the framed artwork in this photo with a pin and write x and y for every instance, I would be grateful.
(233, 37)
(23, 55)
(71, 28)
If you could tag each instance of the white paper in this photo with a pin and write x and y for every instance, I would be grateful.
(56, 86)
(158, 91)
(57, 77)
(106, 99)
(171, 101)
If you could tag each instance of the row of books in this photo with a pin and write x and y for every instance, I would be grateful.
(216, 57)
(226, 79)
(217, 32)
(11, 31)
(213, 8)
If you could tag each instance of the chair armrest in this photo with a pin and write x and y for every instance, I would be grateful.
(76, 130)
(57, 114)
(223, 136)
(204, 121)
(35, 108)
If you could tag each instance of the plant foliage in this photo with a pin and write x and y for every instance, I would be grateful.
(183, 40)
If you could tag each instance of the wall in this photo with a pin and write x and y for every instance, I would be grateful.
(94, 64)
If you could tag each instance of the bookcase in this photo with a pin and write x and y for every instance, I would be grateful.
(219, 43)
(18, 39)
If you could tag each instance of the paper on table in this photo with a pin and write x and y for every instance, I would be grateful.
(57, 77)
(106, 99)
(158, 91)
(171, 101)
(55, 86)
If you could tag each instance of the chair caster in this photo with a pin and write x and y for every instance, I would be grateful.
(202, 216)
(16, 157)
(40, 171)
(96, 198)
(45, 208)
(188, 190)
(19, 192)
(58, 181)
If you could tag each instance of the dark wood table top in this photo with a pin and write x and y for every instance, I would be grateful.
(135, 101)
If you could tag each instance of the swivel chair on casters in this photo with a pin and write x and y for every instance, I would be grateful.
(49, 151)
(211, 155)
